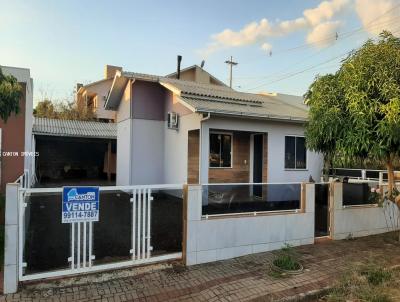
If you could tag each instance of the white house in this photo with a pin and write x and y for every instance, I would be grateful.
(195, 129)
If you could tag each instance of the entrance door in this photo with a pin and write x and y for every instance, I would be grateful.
(257, 163)
(322, 217)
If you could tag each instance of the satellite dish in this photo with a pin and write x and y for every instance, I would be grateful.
(202, 63)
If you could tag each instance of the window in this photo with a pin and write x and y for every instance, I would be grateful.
(295, 152)
(220, 150)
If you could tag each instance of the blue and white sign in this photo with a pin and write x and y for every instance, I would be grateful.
(80, 204)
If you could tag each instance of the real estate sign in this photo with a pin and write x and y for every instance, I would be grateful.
(80, 204)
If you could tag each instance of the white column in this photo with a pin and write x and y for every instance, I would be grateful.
(11, 240)
(193, 218)
(204, 152)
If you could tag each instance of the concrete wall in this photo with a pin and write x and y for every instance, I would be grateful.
(276, 147)
(176, 149)
(224, 238)
(358, 221)
(147, 152)
(124, 149)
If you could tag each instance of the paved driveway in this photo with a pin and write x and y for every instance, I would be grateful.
(242, 279)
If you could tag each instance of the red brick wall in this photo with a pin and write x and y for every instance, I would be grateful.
(13, 140)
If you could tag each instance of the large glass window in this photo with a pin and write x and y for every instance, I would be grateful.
(220, 150)
(295, 152)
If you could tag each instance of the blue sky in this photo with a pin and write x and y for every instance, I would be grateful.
(65, 42)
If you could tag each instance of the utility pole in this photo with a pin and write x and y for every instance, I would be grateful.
(231, 64)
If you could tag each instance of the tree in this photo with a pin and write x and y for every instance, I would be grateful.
(326, 117)
(10, 95)
(45, 108)
(364, 121)
(63, 110)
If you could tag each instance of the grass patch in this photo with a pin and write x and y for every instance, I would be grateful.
(287, 259)
(370, 284)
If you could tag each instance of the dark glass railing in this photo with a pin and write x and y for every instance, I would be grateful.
(221, 199)
(360, 193)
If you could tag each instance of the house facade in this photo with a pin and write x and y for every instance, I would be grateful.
(16, 133)
(201, 131)
(92, 96)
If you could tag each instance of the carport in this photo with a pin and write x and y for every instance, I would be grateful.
(73, 152)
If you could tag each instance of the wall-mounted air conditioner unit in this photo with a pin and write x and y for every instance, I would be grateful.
(173, 120)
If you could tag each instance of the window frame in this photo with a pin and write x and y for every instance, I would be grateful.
(209, 144)
(295, 153)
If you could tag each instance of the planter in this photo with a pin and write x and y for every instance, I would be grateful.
(287, 272)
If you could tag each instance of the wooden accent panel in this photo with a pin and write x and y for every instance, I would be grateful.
(240, 162)
(193, 156)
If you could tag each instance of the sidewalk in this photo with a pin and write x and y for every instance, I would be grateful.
(242, 279)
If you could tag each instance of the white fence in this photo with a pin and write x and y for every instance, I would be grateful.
(218, 237)
(230, 233)
(360, 220)
(81, 239)
(24, 180)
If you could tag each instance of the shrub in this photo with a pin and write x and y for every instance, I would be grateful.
(287, 259)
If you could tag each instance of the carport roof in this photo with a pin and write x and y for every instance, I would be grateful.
(73, 128)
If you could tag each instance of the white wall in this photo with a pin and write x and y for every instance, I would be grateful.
(276, 147)
(176, 149)
(358, 221)
(124, 149)
(224, 238)
(147, 155)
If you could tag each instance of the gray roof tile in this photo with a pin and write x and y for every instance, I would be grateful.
(74, 128)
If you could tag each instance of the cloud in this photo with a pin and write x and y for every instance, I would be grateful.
(323, 34)
(266, 47)
(325, 11)
(377, 15)
(315, 20)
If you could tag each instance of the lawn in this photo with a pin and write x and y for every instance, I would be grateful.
(369, 283)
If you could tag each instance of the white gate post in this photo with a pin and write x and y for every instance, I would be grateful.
(193, 214)
(11, 240)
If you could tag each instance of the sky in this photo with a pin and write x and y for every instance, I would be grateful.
(280, 46)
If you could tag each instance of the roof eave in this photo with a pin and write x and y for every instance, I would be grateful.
(115, 94)
(254, 116)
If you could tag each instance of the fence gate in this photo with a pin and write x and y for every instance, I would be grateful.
(141, 216)
(133, 222)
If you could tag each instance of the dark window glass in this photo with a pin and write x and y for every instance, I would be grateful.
(300, 153)
(215, 144)
(290, 152)
(220, 150)
(295, 152)
(226, 151)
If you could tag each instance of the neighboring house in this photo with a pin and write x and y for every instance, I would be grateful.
(93, 95)
(199, 130)
(196, 74)
(16, 133)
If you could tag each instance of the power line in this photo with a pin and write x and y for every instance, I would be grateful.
(387, 22)
(301, 71)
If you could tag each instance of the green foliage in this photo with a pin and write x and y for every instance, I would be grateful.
(10, 95)
(287, 259)
(355, 113)
(45, 108)
(376, 275)
(62, 110)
